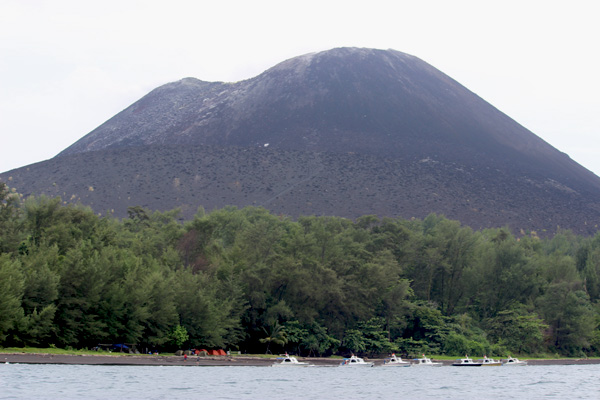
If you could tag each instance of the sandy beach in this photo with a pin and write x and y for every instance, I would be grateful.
(165, 360)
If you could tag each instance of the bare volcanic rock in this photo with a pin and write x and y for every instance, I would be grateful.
(308, 183)
(344, 132)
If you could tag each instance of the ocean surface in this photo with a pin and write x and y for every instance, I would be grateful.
(22, 381)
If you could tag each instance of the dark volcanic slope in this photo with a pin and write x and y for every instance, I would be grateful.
(306, 183)
(384, 103)
(343, 132)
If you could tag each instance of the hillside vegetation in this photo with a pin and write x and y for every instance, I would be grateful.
(250, 280)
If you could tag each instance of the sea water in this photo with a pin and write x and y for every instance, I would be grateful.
(22, 381)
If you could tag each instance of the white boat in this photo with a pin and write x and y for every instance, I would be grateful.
(514, 361)
(394, 361)
(425, 362)
(489, 362)
(355, 362)
(290, 361)
(466, 362)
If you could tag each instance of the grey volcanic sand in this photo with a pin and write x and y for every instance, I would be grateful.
(28, 358)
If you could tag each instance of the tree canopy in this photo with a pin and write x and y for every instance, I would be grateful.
(250, 280)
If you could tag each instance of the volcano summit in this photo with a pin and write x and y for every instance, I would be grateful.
(344, 132)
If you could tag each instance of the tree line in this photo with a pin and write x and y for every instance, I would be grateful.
(245, 279)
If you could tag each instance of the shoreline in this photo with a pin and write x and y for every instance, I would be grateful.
(248, 361)
(156, 360)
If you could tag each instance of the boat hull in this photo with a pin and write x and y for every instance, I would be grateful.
(425, 362)
(514, 361)
(290, 361)
(428, 365)
(293, 365)
(355, 362)
(356, 365)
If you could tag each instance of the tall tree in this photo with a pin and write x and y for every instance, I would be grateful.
(11, 292)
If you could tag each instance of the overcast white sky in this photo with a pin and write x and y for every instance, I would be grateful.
(66, 66)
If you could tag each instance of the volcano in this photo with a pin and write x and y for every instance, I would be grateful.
(344, 132)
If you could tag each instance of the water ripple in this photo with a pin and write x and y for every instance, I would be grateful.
(142, 382)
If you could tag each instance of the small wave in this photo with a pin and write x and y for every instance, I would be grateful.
(546, 383)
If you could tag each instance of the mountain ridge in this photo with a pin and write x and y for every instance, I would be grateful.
(387, 111)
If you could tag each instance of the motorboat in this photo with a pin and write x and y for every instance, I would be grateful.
(354, 361)
(425, 362)
(489, 362)
(290, 361)
(466, 362)
(394, 361)
(514, 361)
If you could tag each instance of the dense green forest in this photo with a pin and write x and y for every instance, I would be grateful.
(244, 279)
